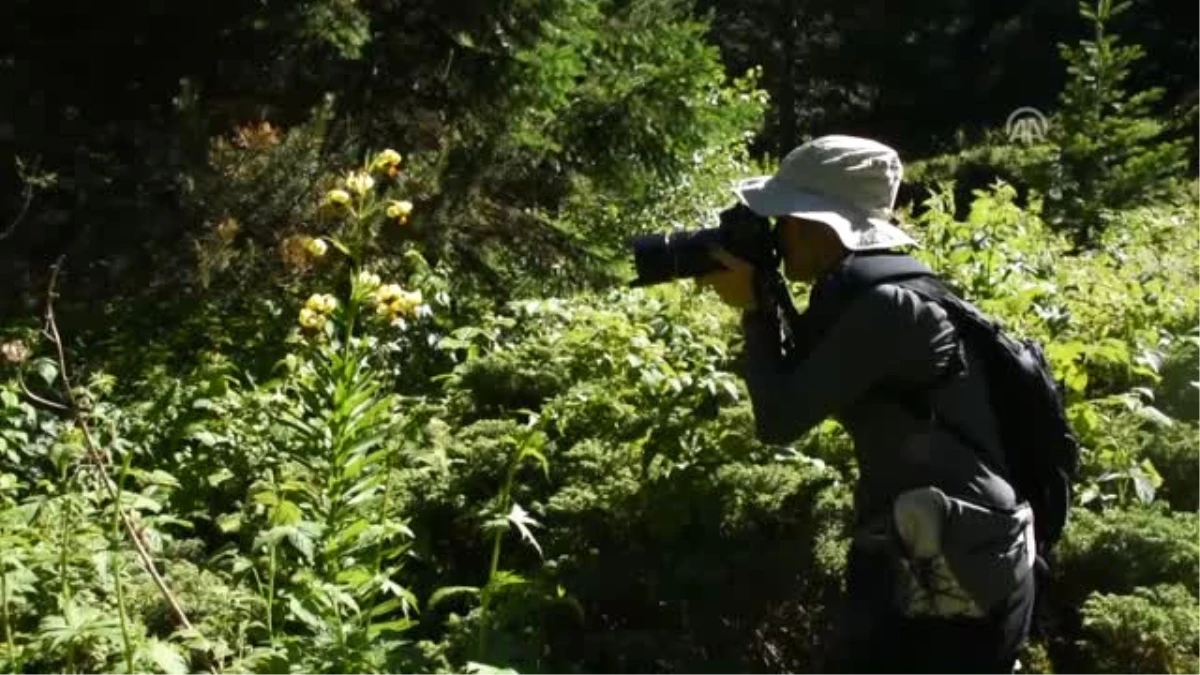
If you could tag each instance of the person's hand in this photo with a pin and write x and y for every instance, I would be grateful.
(734, 285)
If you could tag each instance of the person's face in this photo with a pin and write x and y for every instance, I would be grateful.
(805, 247)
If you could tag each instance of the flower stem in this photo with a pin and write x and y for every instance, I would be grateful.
(4, 616)
(505, 497)
(271, 595)
(116, 534)
(65, 538)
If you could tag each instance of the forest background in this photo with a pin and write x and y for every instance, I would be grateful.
(316, 353)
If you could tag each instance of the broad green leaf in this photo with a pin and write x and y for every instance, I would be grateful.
(285, 513)
(308, 618)
(386, 607)
(204, 404)
(205, 437)
(397, 626)
(354, 577)
(166, 657)
(299, 540)
(160, 478)
(1088, 495)
(1147, 467)
(1143, 485)
(47, 370)
(304, 428)
(364, 492)
(504, 579)
(1077, 380)
(449, 592)
(349, 533)
(539, 457)
(229, 523)
(493, 525)
(1154, 416)
(134, 501)
(341, 597)
(266, 498)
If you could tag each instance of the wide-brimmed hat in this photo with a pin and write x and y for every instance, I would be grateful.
(846, 182)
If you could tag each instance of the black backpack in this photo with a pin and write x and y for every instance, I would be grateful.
(1040, 450)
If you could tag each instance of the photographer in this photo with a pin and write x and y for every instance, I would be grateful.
(939, 577)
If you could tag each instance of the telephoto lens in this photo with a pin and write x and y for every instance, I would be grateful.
(660, 258)
(684, 254)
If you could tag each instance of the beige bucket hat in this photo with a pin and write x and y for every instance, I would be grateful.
(846, 182)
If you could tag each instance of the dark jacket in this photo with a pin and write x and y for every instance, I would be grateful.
(878, 369)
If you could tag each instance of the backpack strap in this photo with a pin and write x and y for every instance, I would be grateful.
(865, 270)
(834, 292)
(972, 325)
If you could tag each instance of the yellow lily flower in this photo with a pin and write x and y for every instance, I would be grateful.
(399, 209)
(311, 319)
(387, 159)
(316, 247)
(386, 294)
(359, 182)
(322, 303)
(368, 280)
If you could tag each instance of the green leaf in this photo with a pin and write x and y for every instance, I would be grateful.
(285, 513)
(297, 424)
(230, 523)
(476, 668)
(349, 533)
(301, 540)
(1143, 485)
(504, 579)
(355, 576)
(385, 607)
(1147, 467)
(206, 438)
(165, 656)
(266, 498)
(339, 246)
(220, 476)
(539, 457)
(308, 618)
(1154, 416)
(397, 626)
(520, 518)
(1077, 380)
(463, 39)
(446, 592)
(139, 502)
(47, 370)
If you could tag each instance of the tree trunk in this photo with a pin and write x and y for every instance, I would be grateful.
(787, 83)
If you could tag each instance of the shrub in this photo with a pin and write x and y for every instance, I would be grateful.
(1152, 630)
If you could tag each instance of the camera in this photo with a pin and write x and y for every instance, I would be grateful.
(660, 258)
